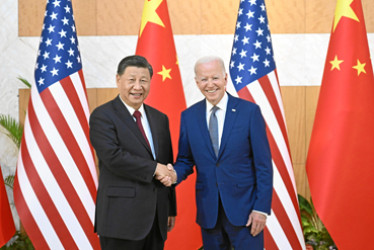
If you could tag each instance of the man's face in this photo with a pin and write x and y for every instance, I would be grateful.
(134, 85)
(211, 80)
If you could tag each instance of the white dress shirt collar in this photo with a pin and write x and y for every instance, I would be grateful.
(222, 105)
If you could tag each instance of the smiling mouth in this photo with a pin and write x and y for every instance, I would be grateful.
(211, 91)
(137, 94)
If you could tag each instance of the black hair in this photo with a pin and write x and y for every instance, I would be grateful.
(135, 60)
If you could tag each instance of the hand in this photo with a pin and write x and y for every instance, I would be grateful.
(258, 221)
(165, 174)
(171, 223)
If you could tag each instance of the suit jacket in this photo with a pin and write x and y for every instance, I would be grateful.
(241, 175)
(128, 194)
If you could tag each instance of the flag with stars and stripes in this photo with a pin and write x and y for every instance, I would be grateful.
(56, 179)
(340, 158)
(253, 74)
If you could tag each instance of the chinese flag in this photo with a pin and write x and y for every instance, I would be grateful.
(156, 43)
(7, 228)
(340, 163)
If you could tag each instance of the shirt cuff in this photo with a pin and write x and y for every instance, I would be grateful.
(266, 215)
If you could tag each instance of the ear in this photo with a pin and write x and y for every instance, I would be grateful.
(118, 77)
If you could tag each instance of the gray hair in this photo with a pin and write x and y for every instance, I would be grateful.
(208, 59)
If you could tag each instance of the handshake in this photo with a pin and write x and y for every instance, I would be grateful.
(166, 174)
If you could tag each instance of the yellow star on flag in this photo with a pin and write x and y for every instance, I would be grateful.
(335, 64)
(360, 67)
(165, 73)
(150, 15)
(343, 8)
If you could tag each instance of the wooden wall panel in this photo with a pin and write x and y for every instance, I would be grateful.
(122, 17)
(184, 21)
(301, 179)
(312, 93)
(218, 17)
(319, 15)
(105, 94)
(368, 6)
(85, 16)
(119, 17)
(294, 108)
(286, 16)
(30, 17)
(23, 96)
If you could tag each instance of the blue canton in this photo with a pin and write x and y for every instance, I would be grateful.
(252, 51)
(58, 55)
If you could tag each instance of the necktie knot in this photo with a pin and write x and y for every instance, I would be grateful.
(214, 110)
(137, 114)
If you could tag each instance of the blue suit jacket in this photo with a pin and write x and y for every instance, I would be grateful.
(241, 175)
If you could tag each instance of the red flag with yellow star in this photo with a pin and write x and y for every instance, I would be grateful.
(156, 43)
(340, 163)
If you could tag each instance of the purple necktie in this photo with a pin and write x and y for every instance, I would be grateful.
(137, 116)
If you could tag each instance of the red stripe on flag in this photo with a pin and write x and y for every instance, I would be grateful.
(269, 240)
(45, 200)
(61, 177)
(81, 77)
(28, 221)
(272, 99)
(285, 222)
(282, 169)
(68, 138)
(72, 95)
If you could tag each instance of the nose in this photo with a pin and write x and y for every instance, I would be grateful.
(137, 85)
(210, 82)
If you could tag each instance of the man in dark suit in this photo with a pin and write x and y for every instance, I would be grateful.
(225, 137)
(133, 209)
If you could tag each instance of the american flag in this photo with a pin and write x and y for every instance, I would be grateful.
(253, 73)
(56, 179)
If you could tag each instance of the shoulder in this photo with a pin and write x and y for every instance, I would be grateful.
(195, 107)
(105, 108)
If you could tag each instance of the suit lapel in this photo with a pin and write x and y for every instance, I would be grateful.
(230, 118)
(128, 119)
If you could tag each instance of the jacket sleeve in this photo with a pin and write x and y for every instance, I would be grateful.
(184, 164)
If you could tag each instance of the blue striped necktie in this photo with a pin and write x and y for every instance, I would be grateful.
(213, 129)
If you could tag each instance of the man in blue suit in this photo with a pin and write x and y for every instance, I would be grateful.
(233, 162)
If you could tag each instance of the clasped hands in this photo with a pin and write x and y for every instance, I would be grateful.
(166, 174)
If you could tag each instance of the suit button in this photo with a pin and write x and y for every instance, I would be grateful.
(217, 164)
(216, 184)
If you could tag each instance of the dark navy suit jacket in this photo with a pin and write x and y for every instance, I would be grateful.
(242, 173)
(128, 195)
